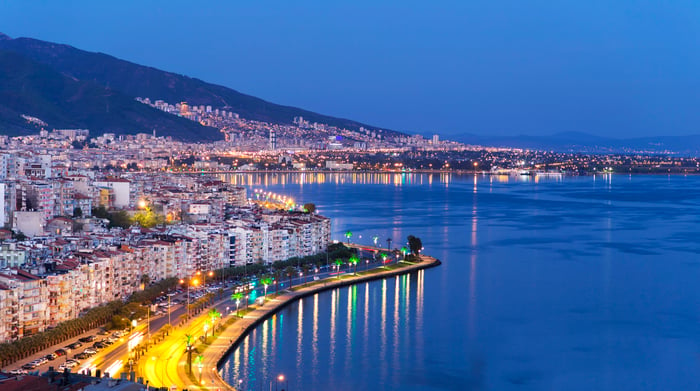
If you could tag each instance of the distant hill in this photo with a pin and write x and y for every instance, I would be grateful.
(37, 90)
(136, 80)
(587, 143)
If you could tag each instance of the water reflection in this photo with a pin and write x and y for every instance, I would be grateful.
(296, 345)
(309, 178)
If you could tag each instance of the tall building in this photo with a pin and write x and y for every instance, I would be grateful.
(436, 139)
(273, 140)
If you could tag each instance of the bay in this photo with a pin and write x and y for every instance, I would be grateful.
(547, 284)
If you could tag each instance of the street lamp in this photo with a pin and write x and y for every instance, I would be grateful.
(194, 282)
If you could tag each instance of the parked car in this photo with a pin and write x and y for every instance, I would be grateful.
(100, 345)
(103, 332)
(90, 351)
(82, 356)
(75, 345)
(89, 338)
(51, 356)
(29, 366)
(18, 371)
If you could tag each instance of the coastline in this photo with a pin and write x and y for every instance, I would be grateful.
(221, 347)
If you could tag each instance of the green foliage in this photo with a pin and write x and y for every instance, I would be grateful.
(415, 244)
(66, 101)
(309, 208)
(148, 218)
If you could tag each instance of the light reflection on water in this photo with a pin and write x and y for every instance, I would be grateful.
(342, 347)
(575, 283)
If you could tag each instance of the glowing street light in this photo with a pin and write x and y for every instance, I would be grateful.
(354, 260)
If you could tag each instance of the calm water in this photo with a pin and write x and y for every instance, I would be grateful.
(588, 283)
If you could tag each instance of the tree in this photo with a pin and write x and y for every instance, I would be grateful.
(19, 236)
(77, 212)
(189, 351)
(305, 269)
(214, 315)
(415, 244)
(148, 218)
(119, 219)
(348, 235)
(277, 277)
(290, 272)
(354, 260)
(338, 263)
(237, 297)
(266, 281)
(309, 207)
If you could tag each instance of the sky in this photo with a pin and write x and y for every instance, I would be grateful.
(486, 67)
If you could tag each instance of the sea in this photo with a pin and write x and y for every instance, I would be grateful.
(547, 283)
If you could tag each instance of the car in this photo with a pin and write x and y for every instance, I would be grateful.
(89, 338)
(72, 362)
(103, 332)
(60, 352)
(75, 345)
(18, 371)
(90, 351)
(99, 345)
(51, 356)
(40, 360)
(82, 356)
(118, 334)
(29, 366)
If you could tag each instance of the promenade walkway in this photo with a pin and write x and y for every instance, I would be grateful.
(222, 344)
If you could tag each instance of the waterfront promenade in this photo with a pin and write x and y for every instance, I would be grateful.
(165, 365)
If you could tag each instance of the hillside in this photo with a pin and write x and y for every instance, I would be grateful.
(33, 89)
(136, 80)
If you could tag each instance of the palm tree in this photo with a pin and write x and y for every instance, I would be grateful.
(214, 315)
(305, 269)
(189, 351)
(338, 262)
(374, 239)
(266, 281)
(237, 298)
(348, 235)
(290, 272)
(277, 278)
(354, 260)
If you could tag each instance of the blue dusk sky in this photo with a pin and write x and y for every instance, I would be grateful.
(487, 67)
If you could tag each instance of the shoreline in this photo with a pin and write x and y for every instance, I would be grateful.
(237, 333)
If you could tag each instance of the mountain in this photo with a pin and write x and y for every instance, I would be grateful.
(587, 143)
(36, 90)
(141, 81)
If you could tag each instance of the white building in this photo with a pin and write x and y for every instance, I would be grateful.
(121, 190)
